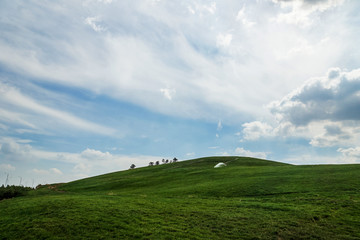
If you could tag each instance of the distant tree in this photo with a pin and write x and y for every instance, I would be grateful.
(175, 159)
(167, 161)
(157, 163)
(13, 191)
(151, 163)
(163, 160)
(132, 166)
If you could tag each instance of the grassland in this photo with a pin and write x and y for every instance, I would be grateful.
(248, 199)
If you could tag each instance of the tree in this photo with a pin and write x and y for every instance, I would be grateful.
(167, 161)
(151, 163)
(132, 166)
(157, 162)
(175, 159)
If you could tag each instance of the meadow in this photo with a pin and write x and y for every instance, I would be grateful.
(248, 199)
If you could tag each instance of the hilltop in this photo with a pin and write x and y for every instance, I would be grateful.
(175, 178)
(248, 199)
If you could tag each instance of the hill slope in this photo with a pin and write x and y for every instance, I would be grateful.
(175, 178)
(248, 199)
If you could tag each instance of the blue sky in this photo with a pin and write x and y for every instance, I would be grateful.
(89, 87)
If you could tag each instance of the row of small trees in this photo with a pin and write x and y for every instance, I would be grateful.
(163, 161)
(132, 166)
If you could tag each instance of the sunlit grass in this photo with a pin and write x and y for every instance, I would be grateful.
(248, 199)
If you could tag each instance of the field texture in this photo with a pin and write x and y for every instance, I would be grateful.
(248, 199)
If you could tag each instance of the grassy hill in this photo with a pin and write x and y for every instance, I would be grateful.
(248, 199)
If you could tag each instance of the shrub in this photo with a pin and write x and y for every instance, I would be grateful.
(13, 191)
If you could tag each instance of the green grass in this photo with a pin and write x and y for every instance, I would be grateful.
(248, 199)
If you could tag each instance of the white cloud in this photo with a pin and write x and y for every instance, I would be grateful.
(55, 171)
(92, 154)
(335, 134)
(241, 16)
(302, 158)
(334, 98)
(105, 1)
(324, 110)
(302, 47)
(191, 154)
(24, 108)
(50, 171)
(2, 126)
(6, 167)
(148, 47)
(211, 8)
(350, 154)
(224, 154)
(93, 23)
(223, 40)
(14, 147)
(191, 10)
(255, 130)
(201, 9)
(168, 93)
(247, 153)
(301, 10)
(214, 147)
(14, 118)
(40, 171)
(219, 126)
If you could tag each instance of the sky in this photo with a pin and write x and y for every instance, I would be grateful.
(89, 87)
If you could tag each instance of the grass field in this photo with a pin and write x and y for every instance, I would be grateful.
(248, 199)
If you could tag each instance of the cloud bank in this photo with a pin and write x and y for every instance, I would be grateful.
(325, 110)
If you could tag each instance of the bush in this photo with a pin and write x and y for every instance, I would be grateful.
(13, 191)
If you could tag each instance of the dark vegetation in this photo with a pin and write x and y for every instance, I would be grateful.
(248, 199)
(13, 191)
